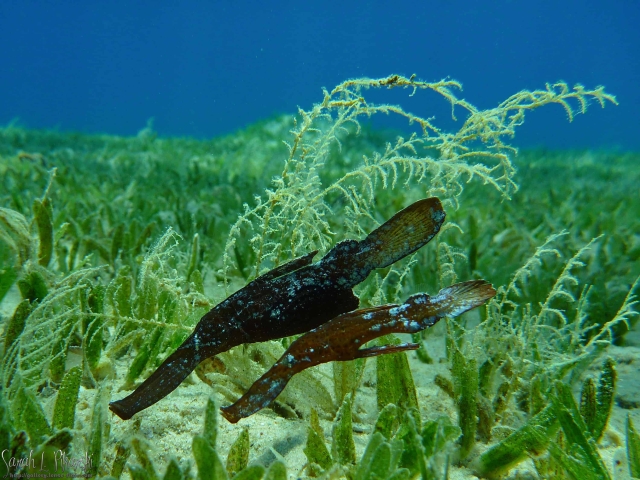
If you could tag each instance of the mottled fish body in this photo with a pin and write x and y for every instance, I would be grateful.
(345, 337)
(291, 299)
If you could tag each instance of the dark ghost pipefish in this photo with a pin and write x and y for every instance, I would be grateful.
(341, 339)
(290, 299)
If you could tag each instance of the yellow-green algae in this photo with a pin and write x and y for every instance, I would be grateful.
(112, 248)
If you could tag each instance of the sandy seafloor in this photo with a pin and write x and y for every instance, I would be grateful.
(170, 425)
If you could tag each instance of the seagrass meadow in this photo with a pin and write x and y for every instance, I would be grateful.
(112, 249)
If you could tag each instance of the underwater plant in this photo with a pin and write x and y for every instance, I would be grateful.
(98, 287)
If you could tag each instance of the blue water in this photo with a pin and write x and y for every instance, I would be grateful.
(205, 68)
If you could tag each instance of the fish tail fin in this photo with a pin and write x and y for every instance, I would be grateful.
(469, 294)
(456, 299)
(402, 234)
(163, 381)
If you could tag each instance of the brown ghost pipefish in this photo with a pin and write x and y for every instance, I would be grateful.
(341, 339)
(290, 299)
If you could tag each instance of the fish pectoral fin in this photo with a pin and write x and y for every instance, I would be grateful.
(380, 308)
(386, 349)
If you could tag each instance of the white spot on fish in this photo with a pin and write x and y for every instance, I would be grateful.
(398, 310)
(412, 325)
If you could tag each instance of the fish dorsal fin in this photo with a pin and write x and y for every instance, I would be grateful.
(285, 268)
